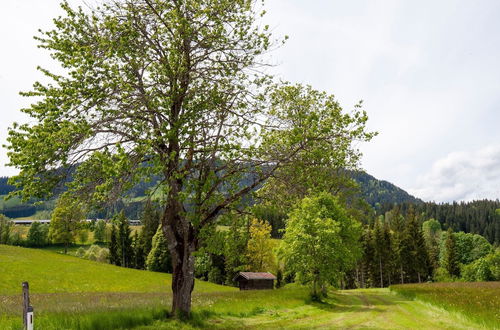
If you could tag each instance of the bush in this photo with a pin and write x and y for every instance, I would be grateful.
(95, 253)
(103, 255)
(80, 253)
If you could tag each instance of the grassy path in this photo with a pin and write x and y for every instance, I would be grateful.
(351, 309)
(375, 309)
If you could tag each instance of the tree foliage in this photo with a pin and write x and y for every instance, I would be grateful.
(37, 235)
(260, 254)
(100, 231)
(321, 242)
(172, 89)
(66, 220)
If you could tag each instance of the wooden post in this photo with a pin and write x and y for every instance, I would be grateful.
(26, 303)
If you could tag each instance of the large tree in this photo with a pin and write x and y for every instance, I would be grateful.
(321, 242)
(66, 220)
(174, 89)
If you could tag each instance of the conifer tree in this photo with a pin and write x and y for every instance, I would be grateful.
(137, 246)
(100, 231)
(114, 257)
(124, 240)
(414, 250)
(451, 257)
(150, 221)
(379, 250)
(159, 259)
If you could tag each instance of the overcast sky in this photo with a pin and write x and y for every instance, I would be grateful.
(428, 72)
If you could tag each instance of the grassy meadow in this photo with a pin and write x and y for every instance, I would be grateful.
(72, 293)
(479, 301)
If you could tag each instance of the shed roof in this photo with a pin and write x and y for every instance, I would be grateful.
(256, 276)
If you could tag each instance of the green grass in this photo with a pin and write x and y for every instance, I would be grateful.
(71, 293)
(479, 301)
(49, 272)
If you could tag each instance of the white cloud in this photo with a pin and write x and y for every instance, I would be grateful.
(464, 175)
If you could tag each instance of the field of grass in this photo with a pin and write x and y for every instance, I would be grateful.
(480, 301)
(49, 272)
(71, 293)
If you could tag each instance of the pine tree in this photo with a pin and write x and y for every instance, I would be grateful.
(150, 221)
(100, 231)
(159, 259)
(414, 249)
(124, 240)
(451, 257)
(379, 246)
(368, 258)
(114, 257)
(137, 245)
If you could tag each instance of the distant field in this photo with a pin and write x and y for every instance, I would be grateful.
(478, 300)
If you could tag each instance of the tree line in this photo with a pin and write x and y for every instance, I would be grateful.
(477, 217)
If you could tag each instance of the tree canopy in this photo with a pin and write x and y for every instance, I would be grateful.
(175, 89)
(321, 242)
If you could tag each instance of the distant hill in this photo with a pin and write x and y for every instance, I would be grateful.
(375, 192)
(379, 192)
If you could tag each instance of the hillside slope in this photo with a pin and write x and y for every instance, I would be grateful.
(49, 272)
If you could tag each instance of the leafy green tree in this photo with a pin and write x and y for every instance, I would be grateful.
(235, 247)
(174, 85)
(100, 231)
(260, 247)
(321, 242)
(83, 235)
(471, 247)
(37, 234)
(66, 220)
(159, 259)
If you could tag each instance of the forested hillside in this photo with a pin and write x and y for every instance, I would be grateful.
(377, 192)
(478, 217)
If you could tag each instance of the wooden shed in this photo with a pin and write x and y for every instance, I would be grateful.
(255, 281)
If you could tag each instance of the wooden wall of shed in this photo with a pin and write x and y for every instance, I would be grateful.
(245, 284)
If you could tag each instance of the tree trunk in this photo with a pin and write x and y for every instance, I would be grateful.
(401, 272)
(182, 285)
(182, 242)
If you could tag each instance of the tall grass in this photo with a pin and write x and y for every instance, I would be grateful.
(118, 319)
(478, 301)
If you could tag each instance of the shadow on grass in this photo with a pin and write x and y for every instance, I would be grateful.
(356, 302)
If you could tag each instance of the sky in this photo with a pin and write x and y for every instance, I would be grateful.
(427, 71)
